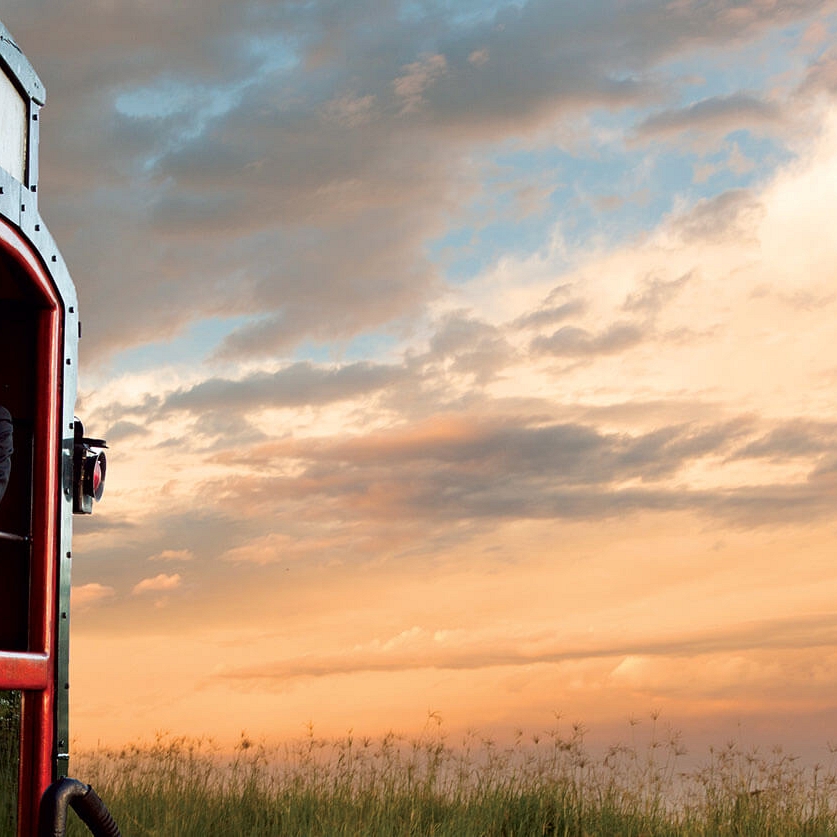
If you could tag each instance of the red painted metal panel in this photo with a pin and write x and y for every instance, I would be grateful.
(24, 671)
(37, 735)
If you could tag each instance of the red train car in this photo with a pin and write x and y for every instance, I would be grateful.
(48, 472)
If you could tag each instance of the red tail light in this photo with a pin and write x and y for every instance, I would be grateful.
(89, 469)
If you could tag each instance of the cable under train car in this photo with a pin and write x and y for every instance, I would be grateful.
(49, 471)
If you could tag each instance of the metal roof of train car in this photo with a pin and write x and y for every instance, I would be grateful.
(20, 68)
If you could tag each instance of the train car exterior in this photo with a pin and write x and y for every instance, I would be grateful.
(48, 472)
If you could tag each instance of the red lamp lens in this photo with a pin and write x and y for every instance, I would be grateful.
(98, 468)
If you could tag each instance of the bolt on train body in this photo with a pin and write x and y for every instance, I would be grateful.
(49, 471)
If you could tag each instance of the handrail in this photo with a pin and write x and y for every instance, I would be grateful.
(9, 536)
(84, 801)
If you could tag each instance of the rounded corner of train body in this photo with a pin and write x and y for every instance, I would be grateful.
(47, 467)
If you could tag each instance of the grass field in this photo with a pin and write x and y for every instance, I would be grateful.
(545, 784)
(9, 736)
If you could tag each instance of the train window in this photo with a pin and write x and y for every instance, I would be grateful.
(9, 760)
(18, 373)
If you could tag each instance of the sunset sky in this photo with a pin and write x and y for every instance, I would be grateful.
(474, 356)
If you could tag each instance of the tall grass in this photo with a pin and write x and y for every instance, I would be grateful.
(548, 784)
(9, 760)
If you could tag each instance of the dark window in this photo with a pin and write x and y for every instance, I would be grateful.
(19, 322)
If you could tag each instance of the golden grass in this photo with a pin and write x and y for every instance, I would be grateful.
(544, 784)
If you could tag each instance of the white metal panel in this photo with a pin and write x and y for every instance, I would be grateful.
(13, 123)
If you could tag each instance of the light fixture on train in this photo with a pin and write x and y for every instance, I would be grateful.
(89, 470)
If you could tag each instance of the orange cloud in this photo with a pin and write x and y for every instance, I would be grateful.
(87, 594)
(159, 583)
(173, 555)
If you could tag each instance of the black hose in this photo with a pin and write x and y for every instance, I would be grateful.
(84, 801)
